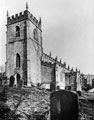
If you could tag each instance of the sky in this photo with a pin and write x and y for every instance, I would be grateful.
(67, 29)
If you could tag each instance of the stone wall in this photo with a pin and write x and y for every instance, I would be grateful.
(70, 80)
(47, 74)
(60, 77)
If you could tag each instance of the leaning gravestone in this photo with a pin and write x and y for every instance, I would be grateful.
(0, 81)
(19, 86)
(11, 81)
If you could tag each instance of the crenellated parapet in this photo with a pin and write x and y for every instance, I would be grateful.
(23, 16)
(48, 59)
(48, 64)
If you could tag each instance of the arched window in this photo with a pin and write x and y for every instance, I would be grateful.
(35, 34)
(17, 60)
(17, 31)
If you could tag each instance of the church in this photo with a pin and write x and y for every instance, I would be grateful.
(26, 59)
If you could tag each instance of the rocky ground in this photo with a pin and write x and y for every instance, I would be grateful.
(86, 106)
(28, 102)
(33, 102)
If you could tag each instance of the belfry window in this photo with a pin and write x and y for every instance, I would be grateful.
(17, 60)
(35, 34)
(17, 31)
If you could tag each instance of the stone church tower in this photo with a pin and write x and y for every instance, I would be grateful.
(24, 47)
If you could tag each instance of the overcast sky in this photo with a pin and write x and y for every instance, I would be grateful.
(68, 29)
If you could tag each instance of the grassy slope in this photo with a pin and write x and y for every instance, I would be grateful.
(28, 101)
(33, 101)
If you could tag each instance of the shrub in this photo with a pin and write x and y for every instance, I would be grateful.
(6, 113)
(3, 95)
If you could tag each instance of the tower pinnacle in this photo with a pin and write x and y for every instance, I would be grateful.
(50, 54)
(7, 13)
(26, 5)
(76, 69)
(40, 21)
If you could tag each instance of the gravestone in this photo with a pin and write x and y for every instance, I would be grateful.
(19, 86)
(0, 81)
(11, 81)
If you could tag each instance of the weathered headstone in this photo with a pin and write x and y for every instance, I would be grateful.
(64, 105)
(19, 86)
(11, 81)
(18, 78)
(0, 81)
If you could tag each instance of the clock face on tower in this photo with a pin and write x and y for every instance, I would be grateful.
(35, 32)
